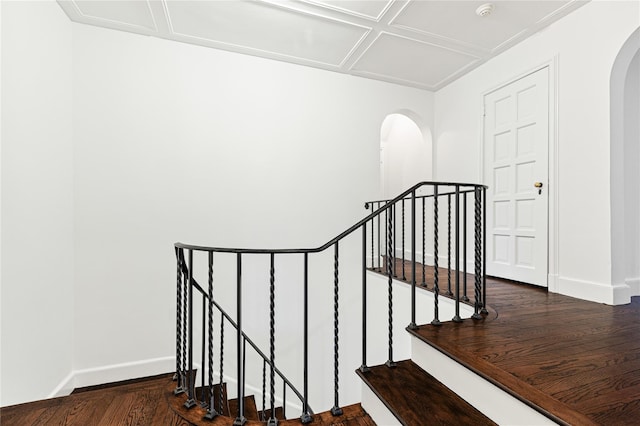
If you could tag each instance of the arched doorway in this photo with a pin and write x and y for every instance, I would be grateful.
(405, 153)
(625, 174)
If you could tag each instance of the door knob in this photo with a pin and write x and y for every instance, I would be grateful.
(539, 186)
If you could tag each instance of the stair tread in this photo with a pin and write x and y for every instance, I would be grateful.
(415, 397)
(546, 404)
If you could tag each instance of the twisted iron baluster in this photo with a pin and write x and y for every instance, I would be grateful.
(449, 292)
(390, 259)
(203, 345)
(484, 252)
(185, 283)
(387, 212)
(363, 367)
(404, 278)
(476, 305)
(464, 245)
(412, 324)
(221, 394)
(305, 417)
(240, 353)
(424, 239)
(191, 376)
(336, 410)
(393, 243)
(211, 411)
(264, 389)
(456, 317)
(379, 247)
(284, 399)
(179, 372)
(272, 342)
(372, 245)
(436, 287)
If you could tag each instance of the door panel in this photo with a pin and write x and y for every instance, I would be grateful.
(516, 142)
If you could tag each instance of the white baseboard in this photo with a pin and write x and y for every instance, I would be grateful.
(489, 399)
(138, 369)
(634, 285)
(113, 373)
(610, 294)
(552, 283)
(64, 388)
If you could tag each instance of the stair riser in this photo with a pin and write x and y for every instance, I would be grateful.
(232, 389)
(492, 401)
(376, 408)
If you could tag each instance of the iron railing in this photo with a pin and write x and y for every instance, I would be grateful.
(378, 238)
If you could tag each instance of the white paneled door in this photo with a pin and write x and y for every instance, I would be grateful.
(516, 144)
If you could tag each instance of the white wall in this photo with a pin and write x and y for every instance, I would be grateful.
(584, 57)
(37, 200)
(175, 142)
(632, 174)
(624, 150)
(407, 154)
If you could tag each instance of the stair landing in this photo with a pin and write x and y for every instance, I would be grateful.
(574, 361)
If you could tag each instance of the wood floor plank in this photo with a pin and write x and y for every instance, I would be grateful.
(82, 411)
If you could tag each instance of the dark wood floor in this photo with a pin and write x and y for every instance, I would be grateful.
(578, 360)
(142, 402)
(425, 279)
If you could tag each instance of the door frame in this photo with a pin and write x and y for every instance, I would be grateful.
(553, 187)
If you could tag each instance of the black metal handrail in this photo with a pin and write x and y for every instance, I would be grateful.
(468, 191)
(333, 240)
(382, 208)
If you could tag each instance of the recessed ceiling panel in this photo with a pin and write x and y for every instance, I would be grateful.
(457, 20)
(373, 9)
(411, 60)
(266, 28)
(417, 43)
(134, 13)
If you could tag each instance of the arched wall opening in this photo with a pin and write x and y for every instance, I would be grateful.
(625, 173)
(406, 156)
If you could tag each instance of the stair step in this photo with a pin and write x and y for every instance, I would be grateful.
(354, 415)
(279, 413)
(216, 395)
(250, 408)
(415, 397)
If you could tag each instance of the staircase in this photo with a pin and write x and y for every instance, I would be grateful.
(352, 415)
(378, 308)
(224, 406)
(438, 386)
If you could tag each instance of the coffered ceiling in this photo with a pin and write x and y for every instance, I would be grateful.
(418, 43)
